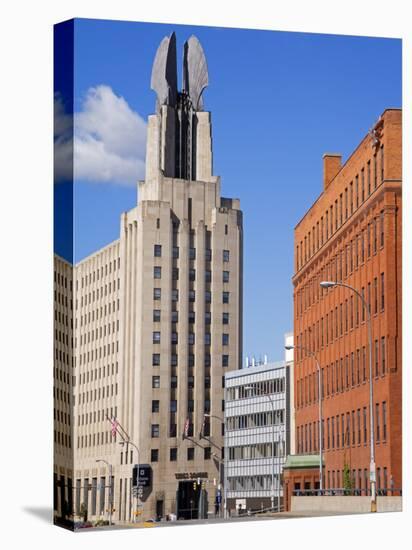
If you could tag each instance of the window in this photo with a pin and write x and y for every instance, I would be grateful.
(175, 274)
(155, 406)
(377, 417)
(192, 316)
(383, 355)
(156, 337)
(157, 272)
(382, 229)
(173, 382)
(175, 316)
(191, 338)
(192, 274)
(225, 360)
(384, 433)
(382, 291)
(376, 358)
(225, 297)
(207, 453)
(156, 359)
(192, 295)
(225, 276)
(365, 425)
(175, 295)
(225, 318)
(208, 296)
(173, 406)
(368, 177)
(157, 293)
(382, 165)
(190, 453)
(225, 339)
(174, 338)
(157, 223)
(226, 255)
(208, 276)
(175, 252)
(155, 381)
(226, 228)
(192, 253)
(157, 250)
(207, 338)
(154, 453)
(375, 295)
(155, 430)
(173, 454)
(173, 360)
(156, 315)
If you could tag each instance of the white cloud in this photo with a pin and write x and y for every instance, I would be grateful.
(109, 139)
(63, 142)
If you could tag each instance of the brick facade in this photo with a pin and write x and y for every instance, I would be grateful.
(353, 234)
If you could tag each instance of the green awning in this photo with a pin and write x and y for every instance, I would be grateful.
(302, 461)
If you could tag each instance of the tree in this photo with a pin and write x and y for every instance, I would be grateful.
(83, 511)
(347, 480)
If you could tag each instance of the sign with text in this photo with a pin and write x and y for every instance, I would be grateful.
(145, 475)
(191, 475)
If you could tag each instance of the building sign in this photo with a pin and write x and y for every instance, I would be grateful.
(191, 475)
(145, 475)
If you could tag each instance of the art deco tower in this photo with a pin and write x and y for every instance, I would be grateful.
(181, 292)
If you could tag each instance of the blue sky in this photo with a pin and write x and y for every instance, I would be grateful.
(279, 100)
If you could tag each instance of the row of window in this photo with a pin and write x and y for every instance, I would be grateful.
(190, 454)
(93, 417)
(99, 353)
(62, 299)
(97, 374)
(99, 272)
(343, 374)
(257, 450)
(157, 274)
(157, 316)
(341, 433)
(61, 279)
(61, 416)
(344, 317)
(255, 389)
(99, 438)
(157, 253)
(94, 314)
(99, 333)
(190, 338)
(339, 211)
(337, 269)
(253, 483)
(190, 360)
(101, 393)
(93, 296)
(157, 295)
(254, 420)
(62, 439)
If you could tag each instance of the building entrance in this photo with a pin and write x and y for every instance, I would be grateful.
(188, 499)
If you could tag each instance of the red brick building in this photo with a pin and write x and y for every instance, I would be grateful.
(353, 234)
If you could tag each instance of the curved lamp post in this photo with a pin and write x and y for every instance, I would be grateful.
(220, 460)
(110, 487)
(372, 467)
(122, 443)
(320, 390)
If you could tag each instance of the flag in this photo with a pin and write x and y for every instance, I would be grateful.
(114, 424)
(186, 429)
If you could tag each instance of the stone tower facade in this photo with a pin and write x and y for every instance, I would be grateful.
(158, 319)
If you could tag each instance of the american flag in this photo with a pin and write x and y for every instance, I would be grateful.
(114, 424)
(186, 429)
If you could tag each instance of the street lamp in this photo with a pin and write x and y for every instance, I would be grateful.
(312, 354)
(220, 460)
(372, 467)
(110, 488)
(272, 496)
(122, 443)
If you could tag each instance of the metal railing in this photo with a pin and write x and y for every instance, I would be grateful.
(393, 491)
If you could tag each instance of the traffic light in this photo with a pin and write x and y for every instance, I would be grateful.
(194, 485)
